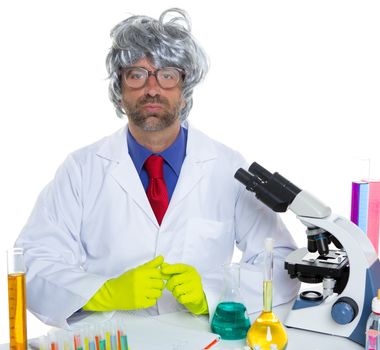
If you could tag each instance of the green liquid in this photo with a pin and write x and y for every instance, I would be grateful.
(230, 321)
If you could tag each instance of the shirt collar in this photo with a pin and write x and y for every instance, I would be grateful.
(173, 155)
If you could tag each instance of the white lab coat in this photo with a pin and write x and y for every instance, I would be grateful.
(94, 221)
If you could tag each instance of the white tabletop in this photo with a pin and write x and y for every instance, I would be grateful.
(297, 339)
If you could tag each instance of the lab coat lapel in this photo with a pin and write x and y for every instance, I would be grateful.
(124, 171)
(200, 153)
(127, 177)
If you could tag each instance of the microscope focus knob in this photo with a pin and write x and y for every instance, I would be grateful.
(344, 310)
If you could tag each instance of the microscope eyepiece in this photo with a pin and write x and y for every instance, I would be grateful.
(260, 172)
(246, 179)
(272, 189)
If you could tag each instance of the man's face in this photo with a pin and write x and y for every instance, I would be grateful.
(151, 107)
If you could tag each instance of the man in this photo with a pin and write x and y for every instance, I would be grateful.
(147, 217)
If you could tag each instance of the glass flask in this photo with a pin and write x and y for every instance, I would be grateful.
(267, 331)
(230, 319)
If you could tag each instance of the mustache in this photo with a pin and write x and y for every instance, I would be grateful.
(152, 99)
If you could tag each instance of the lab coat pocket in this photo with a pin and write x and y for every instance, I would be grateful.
(208, 243)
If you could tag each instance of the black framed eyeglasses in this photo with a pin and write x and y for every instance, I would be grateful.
(167, 77)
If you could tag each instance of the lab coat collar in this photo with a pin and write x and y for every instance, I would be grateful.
(115, 147)
(199, 149)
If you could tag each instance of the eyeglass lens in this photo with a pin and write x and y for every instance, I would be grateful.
(136, 77)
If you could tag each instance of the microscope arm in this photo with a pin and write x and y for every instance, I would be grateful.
(279, 194)
(305, 205)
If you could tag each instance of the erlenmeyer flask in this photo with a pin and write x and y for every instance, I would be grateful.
(230, 319)
(267, 331)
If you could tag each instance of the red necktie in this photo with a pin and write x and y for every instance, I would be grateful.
(157, 192)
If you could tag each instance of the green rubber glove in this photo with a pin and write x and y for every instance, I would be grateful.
(138, 288)
(186, 286)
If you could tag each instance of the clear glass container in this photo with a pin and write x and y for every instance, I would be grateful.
(17, 299)
(230, 319)
(267, 332)
(373, 325)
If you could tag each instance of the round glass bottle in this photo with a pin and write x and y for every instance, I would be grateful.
(267, 331)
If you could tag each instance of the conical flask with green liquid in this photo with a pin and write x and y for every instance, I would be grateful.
(230, 319)
(267, 331)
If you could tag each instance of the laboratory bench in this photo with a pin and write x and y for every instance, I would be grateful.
(297, 339)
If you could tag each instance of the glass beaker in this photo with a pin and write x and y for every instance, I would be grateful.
(230, 319)
(267, 331)
(17, 299)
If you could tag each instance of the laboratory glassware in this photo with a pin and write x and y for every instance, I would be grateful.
(17, 299)
(373, 325)
(267, 331)
(230, 319)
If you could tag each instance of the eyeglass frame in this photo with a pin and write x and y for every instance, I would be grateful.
(154, 73)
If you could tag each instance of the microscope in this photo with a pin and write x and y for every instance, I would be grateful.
(338, 256)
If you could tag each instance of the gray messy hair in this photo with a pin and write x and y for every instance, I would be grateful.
(166, 43)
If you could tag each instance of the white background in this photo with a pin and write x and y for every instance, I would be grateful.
(293, 85)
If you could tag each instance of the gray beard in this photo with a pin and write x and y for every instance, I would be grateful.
(153, 121)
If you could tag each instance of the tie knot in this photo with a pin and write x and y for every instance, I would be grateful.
(154, 166)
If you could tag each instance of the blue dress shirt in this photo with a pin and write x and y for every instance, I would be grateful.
(174, 156)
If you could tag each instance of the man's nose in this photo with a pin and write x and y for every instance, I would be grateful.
(152, 88)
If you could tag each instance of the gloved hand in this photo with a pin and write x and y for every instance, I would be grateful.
(137, 288)
(186, 286)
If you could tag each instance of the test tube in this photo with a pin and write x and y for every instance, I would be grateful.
(92, 340)
(53, 341)
(17, 299)
(78, 344)
(123, 341)
(268, 274)
(43, 342)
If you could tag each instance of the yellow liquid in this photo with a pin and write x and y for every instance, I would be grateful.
(17, 311)
(267, 297)
(267, 329)
(259, 334)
